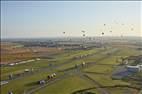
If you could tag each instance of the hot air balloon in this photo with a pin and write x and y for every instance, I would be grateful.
(83, 31)
(102, 33)
(83, 35)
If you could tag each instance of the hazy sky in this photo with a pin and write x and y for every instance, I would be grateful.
(20, 19)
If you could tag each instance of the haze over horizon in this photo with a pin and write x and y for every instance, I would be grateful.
(40, 19)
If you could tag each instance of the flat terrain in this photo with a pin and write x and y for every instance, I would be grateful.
(71, 76)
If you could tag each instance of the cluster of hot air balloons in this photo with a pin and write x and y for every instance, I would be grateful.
(122, 24)
(83, 33)
(105, 25)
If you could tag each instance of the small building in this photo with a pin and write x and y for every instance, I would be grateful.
(12, 64)
(136, 68)
(3, 82)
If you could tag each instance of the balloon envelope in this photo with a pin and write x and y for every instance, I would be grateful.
(83, 31)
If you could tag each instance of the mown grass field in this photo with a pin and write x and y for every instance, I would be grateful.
(70, 84)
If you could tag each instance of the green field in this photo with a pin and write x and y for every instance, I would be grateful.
(100, 71)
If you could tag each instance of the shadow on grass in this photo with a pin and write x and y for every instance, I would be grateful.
(32, 84)
(84, 91)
